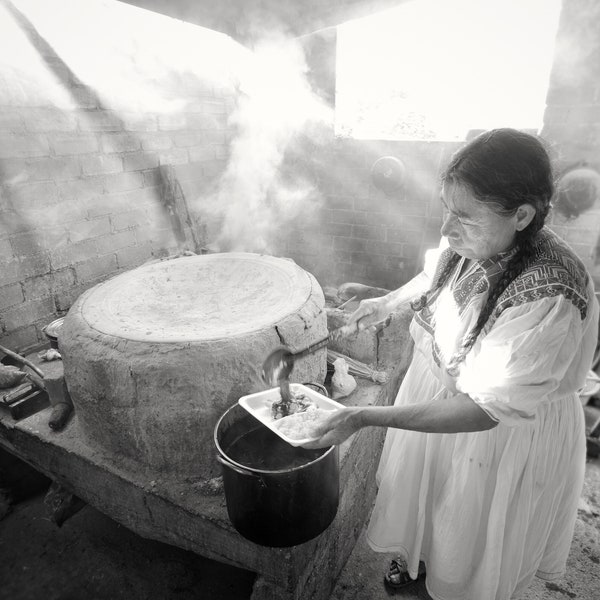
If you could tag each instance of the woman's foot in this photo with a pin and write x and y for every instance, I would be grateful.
(397, 575)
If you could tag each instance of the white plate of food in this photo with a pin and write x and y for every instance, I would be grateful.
(296, 421)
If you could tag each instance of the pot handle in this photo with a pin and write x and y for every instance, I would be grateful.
(235, 468)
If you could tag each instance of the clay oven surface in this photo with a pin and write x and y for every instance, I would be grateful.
(154, 356)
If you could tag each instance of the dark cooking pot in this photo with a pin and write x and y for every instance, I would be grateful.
(277, 495)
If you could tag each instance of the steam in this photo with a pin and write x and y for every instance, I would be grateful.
(255, 198)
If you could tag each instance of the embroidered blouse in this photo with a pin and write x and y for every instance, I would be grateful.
(530, 349)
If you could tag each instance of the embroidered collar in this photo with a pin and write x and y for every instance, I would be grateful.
(494, 266)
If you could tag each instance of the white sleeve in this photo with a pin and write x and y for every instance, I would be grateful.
(522, 359)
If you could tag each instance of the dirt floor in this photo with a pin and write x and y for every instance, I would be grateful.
(92, 557)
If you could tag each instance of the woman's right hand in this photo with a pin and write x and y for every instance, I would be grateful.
(369, 312)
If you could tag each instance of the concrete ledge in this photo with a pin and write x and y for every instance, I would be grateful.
(180, 513)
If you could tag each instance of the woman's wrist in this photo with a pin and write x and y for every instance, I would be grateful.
(359, 416)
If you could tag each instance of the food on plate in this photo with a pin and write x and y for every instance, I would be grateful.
(296, 402)
(302, 425)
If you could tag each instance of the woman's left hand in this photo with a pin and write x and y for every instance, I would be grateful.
(335, 429)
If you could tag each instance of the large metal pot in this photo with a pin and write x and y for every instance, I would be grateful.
(277, 495)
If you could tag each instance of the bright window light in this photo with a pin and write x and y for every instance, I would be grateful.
(435, 69)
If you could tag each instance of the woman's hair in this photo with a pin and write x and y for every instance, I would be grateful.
(503, 168)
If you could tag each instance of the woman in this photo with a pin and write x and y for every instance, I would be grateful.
(484, 458)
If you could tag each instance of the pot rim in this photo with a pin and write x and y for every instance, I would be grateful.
(262, 471)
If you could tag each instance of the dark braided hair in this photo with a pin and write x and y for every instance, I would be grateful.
(503, 168)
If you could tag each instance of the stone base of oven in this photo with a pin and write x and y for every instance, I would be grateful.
(186, 515)
(192, 514)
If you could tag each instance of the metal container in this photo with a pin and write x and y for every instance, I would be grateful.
(277, 495)
(52, 330)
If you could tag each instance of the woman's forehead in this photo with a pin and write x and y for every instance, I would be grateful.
(459, 198)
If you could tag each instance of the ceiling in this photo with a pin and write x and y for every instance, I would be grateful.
(247, 20)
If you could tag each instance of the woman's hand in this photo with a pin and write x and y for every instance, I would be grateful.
(369, 312)
(336, 429)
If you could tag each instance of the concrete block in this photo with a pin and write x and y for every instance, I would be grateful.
(139, 122)
(137, 161)
(26, 244)
(119, 142)
(100, 120)
(174, 156)
(24, 145)
(336, 229)
(11, 120)
(385, 248)
(73, 254)
(171, 122)
(96, 268)
(29, 312)
(107, 204)
(22, 339)
(48, 119)
(115, 241)
(368, 232)
(122, 182)
(6, 249)
(34, 195)
(133, 256)
(340, 215)
(204, 121)
(10, 295)
(45, 285)
(98, 164)
(55, 168)
(349, 244)
(152, 178)
(214, 136)
(74, 144)
(78, 191)
(401, 235)
(21, 268)
(156, 141)
(127, 220)
(185, 139)
(84, 230)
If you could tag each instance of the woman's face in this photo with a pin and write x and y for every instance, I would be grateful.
(472, 228)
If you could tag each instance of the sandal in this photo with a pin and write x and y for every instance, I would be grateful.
(397, 575)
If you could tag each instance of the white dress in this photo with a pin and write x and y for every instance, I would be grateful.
(487, 511)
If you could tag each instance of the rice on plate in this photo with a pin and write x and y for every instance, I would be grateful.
(302, 425)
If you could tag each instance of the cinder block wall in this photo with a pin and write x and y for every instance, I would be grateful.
(360, 234)
(82, 181)
(572, 119)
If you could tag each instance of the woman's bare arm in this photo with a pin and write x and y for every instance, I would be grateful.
(455, 414)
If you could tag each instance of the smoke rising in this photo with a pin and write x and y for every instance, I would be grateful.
(256, 196)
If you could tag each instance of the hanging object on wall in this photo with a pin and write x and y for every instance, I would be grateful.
(388, 174)
(577, 191)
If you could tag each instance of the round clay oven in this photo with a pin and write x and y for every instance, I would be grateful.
(154, 356)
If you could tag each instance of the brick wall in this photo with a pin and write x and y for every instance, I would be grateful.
(362, 235)
(82, 182)
(83, 179)
(572, 119)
